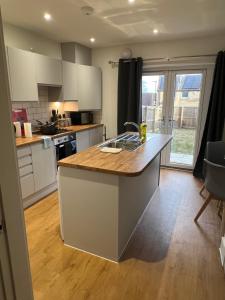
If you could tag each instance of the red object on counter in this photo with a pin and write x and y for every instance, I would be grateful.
(20, 115)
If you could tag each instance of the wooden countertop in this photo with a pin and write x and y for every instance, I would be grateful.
(23, 141)
(123, 163)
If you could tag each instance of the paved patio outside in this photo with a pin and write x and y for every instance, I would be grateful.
(183, 159)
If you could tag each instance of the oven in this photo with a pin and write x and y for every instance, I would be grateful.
(65, 145)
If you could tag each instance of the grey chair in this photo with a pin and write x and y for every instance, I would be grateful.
(214, 177)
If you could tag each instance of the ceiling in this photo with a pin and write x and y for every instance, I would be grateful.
(116, 21)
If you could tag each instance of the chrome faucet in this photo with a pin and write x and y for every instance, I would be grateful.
(135, 125)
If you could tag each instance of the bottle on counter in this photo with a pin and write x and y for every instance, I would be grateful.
(143, 132)
(17, 128)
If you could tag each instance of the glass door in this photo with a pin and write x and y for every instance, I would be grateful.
(183, 117)
(154, 89)
(171, 103)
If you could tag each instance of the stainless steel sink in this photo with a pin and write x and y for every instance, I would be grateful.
(129, 142)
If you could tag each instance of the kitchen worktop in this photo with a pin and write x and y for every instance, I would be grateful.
(23, 141)
(123, 163)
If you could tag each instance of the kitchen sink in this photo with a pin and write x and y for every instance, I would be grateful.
(129, 142)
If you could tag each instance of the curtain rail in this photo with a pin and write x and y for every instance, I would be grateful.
(168, 59)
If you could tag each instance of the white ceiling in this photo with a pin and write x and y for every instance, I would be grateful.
(116, 21)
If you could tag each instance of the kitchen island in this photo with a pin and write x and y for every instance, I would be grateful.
(103, 196)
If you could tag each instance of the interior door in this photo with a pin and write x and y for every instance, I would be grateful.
(184, 109)
(6, 288)
(15, 279)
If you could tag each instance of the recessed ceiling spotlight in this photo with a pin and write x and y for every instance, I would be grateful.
(155, 31)
(92, 40)
(47, 17)
(131, 1)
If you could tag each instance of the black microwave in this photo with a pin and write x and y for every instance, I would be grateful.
(81, 117)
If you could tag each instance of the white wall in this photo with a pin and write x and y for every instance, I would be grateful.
(25, 39)
(101, 56)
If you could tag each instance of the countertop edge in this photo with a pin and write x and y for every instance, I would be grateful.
(29, 143)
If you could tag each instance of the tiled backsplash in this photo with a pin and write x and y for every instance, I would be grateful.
(38, 110)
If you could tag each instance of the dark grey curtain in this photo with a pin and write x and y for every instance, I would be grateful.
(129, 92)
(214, 125)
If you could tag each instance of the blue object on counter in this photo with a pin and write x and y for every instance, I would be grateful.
(47, 142)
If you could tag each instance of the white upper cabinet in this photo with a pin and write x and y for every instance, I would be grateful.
(21, 68)
(80, 82)
(89, 87)
(48, 70)
(70, 78)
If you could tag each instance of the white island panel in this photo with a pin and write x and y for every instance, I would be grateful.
(89, 211)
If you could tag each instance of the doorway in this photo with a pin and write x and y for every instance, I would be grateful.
(171, 104)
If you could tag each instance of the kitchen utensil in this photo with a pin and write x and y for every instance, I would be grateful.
(48, 128)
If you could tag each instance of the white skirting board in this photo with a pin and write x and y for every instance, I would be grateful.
(222, 252)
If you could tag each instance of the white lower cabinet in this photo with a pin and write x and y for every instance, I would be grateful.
(27, 185)
(82, 140)
(44, 166)
(96, 136)
(89, 138)
(37, 169)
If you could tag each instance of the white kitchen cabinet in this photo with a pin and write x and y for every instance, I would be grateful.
(48, 70)
(89, 138)
(83, 140)
(37, 172)
(22, 77)
(44, 165)
(89, 87)
(25, 171)
(96, 136)
(27, 185)
(70, 81)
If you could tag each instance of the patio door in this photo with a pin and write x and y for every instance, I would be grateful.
(154, 101)
(172, 104)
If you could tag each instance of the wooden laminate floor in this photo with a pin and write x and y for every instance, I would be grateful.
(169, 257)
